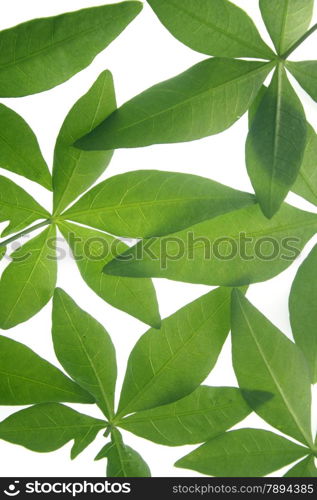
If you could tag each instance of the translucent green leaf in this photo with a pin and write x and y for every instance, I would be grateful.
(286, 20)
(306, 183)
(202, 415)
(305, 73)
(169, 364)
(92, 250)
(204, 100)
(276, 143)
(305, 468)
(303, 311)
(213, 27)
(18, 207)
(19, 150)
(75, 171)
(28, 283)
(261, 354)
(148, 203)
(235, 249)
(43, 53)
(25, 378)
(48, 427)
(243, 453)
(84, 348)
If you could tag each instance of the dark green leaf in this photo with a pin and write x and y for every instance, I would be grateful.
(148, 203)
(43, 53)
(306, 183)
(305, 73)
(205, 413)
(213, 27)
(75, 171)
(305, 468)
(19, 150)
(25, 378)
(261, 354)
(243, 453)
(276, 143)
(48, 427)
(204, 100)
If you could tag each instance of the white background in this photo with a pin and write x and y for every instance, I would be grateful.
(144, 54)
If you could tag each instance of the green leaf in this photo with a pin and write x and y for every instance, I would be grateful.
(2, 252)
(202, 415)
(92, 250)
(306, 183)
(303, 311)
(169, 364)
(305, 73)
(123, 461)
(75, 171)
(28, 283)
(213, 27)
(26, 378)
(305, 468)
(286, 20)
(235, 249)
(276, 143)
(84, 348)
(148, 203)
(18, 207)
(204, 100)
(243, 453)
(19, 150)
(48, 427)
(261, 354)
(43, 53)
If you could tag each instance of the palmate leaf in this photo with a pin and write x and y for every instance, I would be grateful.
(202, 415)
(303, 311)
(204, 100)
(28, 283)
(92, 250)
(75, 171)
(18, 207)
(123, 461)
(43, 53)
(26, 378)
(169, 364)
(84, 349)
(148, 203)
(305, 73)
(19, 150)
(48, 427)
(213, 27)
(305, 468)
(260, 354)
(235, 249)
(243, 453)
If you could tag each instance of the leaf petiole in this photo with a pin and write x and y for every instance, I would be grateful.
(299, 42)
(26, 231)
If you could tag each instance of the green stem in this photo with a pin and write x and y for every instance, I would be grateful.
(299, 42)
(4, 243)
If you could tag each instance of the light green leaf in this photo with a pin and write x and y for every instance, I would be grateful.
(2, 252)
(306, 183)
(202, 415)
(305, 73)
(235, 249)
(169, 364)
(48, 427)
(286, 20)
(276, 143)
(305, 468)
(26, 378)
(213, 27)
(123, 461)
(43, 53)
(148, 203)
(261, 354)
(92, 250)
(19, 150)
(204, 100)
(303, 311)
(75, 171)
(18, 207)
(243, 453)
(84, 348)
(28, 283)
